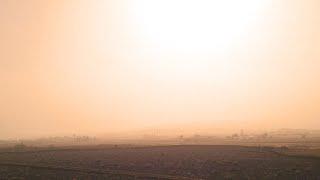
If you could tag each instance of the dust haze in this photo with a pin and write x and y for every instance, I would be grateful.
(81, 67)
(146, 89)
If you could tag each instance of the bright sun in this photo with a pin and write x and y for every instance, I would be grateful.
(194, 26)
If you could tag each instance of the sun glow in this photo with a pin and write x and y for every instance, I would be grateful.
(193, 26)
(191, 41)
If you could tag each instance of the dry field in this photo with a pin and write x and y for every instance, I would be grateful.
(158, 162)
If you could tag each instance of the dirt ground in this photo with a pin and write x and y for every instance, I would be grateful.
(159, 162)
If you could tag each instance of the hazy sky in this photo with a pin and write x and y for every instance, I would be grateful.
(94, 66)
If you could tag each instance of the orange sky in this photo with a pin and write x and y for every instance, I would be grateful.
(89, 67)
